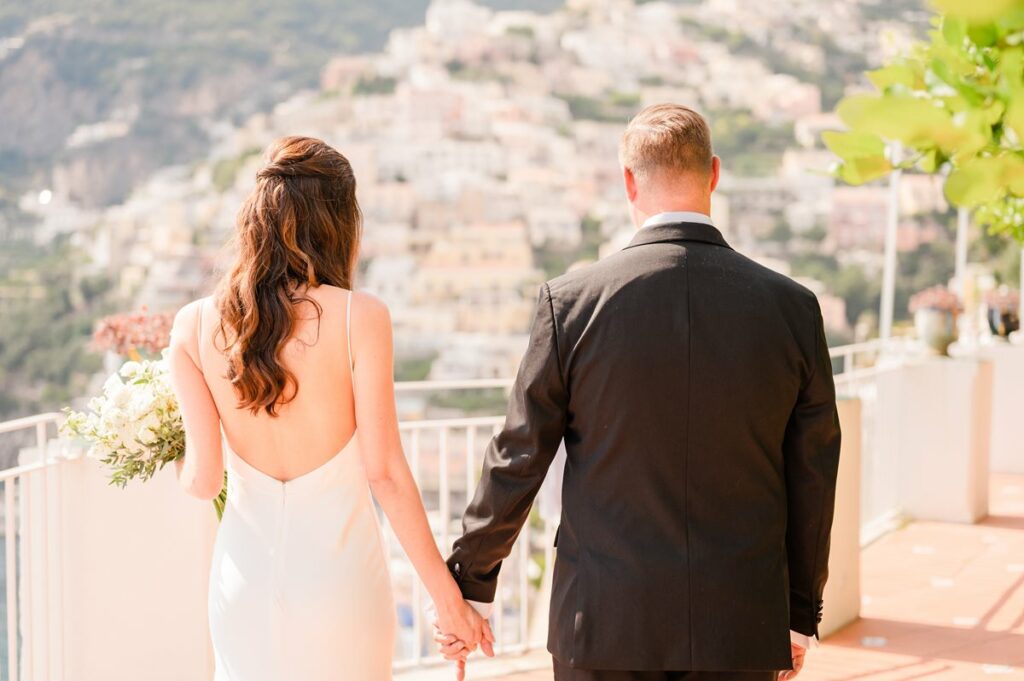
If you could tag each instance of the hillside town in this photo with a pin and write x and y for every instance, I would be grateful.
(485, 147)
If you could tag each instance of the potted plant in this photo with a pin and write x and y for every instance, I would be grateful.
(935, 310)
(1003, 311)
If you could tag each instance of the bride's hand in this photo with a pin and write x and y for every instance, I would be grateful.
(461, 620)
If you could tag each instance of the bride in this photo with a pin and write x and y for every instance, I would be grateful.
(284, 378)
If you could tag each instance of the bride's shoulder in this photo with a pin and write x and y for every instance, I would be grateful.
(186, 319)
(369, 309)
(362, 302)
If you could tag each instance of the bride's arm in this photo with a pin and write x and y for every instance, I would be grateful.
(201, 470)
(390, 479)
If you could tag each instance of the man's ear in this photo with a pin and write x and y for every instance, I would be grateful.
(716, 172)
(629, 180)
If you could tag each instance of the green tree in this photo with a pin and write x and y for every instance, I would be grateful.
(48, 315)
(954, 102)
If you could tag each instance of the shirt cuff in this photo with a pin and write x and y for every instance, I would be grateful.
(485, 610)
(803, 640)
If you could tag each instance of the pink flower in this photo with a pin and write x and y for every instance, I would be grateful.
(129, 334)
(935, 298)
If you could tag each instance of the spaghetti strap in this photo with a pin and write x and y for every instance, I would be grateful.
(348, 335)
(199, 336)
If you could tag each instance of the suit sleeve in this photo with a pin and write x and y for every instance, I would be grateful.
(516, 461)
(811, 454)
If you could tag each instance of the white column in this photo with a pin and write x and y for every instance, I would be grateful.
(963, 224)
(842, 592)
(933, 422)
(889, 269)
(135, 566)
(1020, 287)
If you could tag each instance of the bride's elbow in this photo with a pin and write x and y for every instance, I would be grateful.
(382, 482)
(202, 487)
(205, 491)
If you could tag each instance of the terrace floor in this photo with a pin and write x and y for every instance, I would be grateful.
(941, 602)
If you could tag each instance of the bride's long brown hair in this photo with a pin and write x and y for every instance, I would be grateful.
(299, 228)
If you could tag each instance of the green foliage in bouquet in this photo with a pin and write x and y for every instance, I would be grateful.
(954, 102)
(134, 426)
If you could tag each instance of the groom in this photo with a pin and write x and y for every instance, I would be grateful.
(693, 390)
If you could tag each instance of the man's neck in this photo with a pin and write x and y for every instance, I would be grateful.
(643, 215)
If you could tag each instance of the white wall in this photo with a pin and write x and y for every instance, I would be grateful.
(133, 568)
(1007, 406)
(932, 431)
(842, 591)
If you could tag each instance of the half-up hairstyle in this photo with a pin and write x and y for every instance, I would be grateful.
(299, 228)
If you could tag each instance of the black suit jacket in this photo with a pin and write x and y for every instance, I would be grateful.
(694, 392)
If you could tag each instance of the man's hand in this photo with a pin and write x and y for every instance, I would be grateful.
(461, 620)
(798, 663)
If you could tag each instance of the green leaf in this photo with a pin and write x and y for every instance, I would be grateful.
(1013, 174)
(970, 134)
(983, 35)
(864, 169)
(899, 73)
(954, 30)
(1010, 68)
(914, 121)
(976, 11)
(966, 90)
(1012, 21)
(1014, 118)
(850, 145)
(931, 161)
(976, 182)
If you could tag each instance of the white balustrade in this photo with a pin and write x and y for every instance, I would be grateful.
(61, 530)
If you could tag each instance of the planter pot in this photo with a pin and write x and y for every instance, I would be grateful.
(936, 328)
(1003, 322)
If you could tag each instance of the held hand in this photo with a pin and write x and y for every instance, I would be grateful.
(465, 624)
(798, 663)
(454, 650)
(450, 647)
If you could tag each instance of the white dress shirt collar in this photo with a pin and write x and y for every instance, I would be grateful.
(673, 216)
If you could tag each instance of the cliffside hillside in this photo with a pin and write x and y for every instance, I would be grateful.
(103, 92)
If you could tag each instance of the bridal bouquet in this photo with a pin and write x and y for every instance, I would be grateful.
(134, 426)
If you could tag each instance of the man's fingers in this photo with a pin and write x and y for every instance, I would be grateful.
(460, 670)
(790, 674)
(487, 647)
(488, 634)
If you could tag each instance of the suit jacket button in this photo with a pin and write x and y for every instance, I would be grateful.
(458, 568)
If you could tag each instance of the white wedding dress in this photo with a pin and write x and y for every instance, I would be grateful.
(299, 585)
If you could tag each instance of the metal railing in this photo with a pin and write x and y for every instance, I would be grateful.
(28, 539)
(445, 456)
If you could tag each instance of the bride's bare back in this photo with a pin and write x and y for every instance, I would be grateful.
(298, 582)
(318, 422)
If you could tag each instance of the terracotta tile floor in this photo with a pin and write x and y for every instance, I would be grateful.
(942, 602)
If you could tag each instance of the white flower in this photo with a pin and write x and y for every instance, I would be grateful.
(112, 384)
(130, 369)
(147, 427)
(134, 425)
(122, 396)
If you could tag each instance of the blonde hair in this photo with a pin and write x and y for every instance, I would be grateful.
(668, 137)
